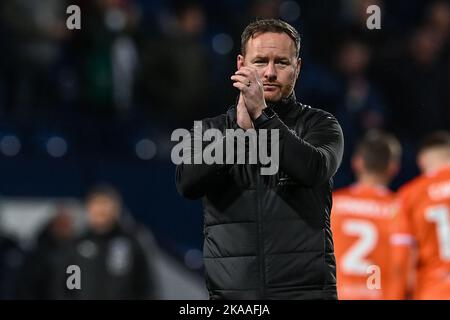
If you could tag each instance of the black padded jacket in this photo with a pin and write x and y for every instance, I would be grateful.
(268, 236)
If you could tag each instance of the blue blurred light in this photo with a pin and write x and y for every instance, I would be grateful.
(10, 145)
(222, 43)
(56, 147)
(145, 149)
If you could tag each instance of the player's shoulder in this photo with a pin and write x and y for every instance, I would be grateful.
(343, 191)
(314, 112)
(438, 184)
(421, 182)
(360, 190)
(411, 185)
(442, 174)
(414, 190)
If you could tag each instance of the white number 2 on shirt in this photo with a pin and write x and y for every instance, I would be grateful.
(440, 216)
(354, 260)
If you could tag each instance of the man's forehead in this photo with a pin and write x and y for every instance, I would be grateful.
(270, 41)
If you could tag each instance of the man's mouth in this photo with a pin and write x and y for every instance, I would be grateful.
(270, 86)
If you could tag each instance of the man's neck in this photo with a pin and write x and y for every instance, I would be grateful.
(283, 105)
(435, 166)
(373, 180)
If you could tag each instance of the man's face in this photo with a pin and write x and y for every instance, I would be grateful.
(102, 212)
(273, 56)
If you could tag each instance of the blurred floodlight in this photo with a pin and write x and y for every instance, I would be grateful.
(56, 147)
(115, 19)
(145, 149)
(222, 43)
(289, 11)
(193, 259)
(10, 145)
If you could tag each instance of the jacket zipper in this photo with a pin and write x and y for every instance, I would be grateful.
(262, 262)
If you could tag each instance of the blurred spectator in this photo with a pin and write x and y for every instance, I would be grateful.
(36, 33)
(359, 105)
(108, 55)
(438, 16)
(361, 101)
(265, 9)
(353, 20)
(112, 261)
(418, 88)
(175, 78)
(44, 274)
(11, 262)
(416, 85)
(439, 20)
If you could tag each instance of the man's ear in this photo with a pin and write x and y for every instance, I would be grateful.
(421, 161)
(357, 163)
(240, 61)
(298, 67)
(393, 169)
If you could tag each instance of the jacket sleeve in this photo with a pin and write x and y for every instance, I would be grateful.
(193, 180)
(315, 158)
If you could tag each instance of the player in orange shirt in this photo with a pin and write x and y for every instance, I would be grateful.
(421, 235)
(360, 219)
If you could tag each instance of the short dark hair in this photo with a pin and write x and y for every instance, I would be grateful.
(104, 190)
(438, 139)
(270, 25)
(378, 149)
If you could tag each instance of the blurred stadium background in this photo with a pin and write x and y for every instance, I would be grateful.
(78, 107)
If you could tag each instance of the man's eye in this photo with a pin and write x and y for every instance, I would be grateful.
(284, 63)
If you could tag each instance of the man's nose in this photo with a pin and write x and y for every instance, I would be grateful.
(270, 73)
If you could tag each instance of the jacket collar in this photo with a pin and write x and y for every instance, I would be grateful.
(283, 106)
